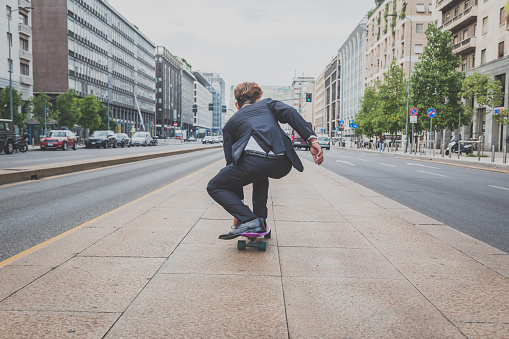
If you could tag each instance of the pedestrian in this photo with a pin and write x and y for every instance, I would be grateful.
(381, 142)
(256, 149)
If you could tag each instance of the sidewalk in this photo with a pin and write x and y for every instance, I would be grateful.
(343, 261)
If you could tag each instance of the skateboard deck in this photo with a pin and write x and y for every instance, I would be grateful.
(252, 237)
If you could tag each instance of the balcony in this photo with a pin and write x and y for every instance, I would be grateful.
(26, 80)
(25, 55)
(464, 47)
(24, 3)
(25, 29)
(465, 18)
(445, 5)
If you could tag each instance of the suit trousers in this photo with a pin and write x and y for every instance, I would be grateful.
(227, 187)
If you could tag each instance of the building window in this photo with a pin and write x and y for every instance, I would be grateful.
(23, 18)
(464, 65)
(485, 25)
(473, 61)
(23, 44)
(419, 28)
(419, 8)
(456, 11)
(7, 11)
(502, 16)
(447, 18)
(418, 48)
(9, 61)
(430, 8)
(483, 56)
(500, 49)
(467, 4)
(24, 69)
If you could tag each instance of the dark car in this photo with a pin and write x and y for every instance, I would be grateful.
(324, 142)
(101, 139)
(7, 136)
(298, 141)
(123, 140)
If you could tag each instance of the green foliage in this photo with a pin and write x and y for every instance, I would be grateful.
(37, 103)
(392, 95)
(90, 107)
(393, 23)
(403, 10)
(185, 62)
(485, 91)
(103, 113)
(19, 118)
(436, 83)
(68, 111)
(506, 7)
(365, 118)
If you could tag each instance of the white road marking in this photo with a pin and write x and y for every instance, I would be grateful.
(345, 162)
(502, 188)
(387, 164)
(361, 159)
(440, 175)
(410, 164)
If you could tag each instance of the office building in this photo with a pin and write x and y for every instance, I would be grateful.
(20, 40)
(202, 98)
(169, 81)
(88, 46)
(217, 88)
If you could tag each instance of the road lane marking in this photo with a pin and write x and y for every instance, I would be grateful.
(440, 175)
(36, 247)
(387, 165)
(345, 162)
(361, 159)
(502, 188)
(410, 164)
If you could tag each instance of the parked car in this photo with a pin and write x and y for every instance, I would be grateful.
(207, 140)
(7, 136)
(101, 139)
(216, 139)
(298, 141)
(324, 142)
(191, 139)
(59, 139)
(141, 138)
(123, 140)
(220, 137)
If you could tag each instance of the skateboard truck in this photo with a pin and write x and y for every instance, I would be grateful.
(261, 245)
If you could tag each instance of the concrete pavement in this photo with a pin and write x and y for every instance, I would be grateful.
(343, 261)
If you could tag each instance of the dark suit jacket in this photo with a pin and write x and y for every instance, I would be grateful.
(260, 120)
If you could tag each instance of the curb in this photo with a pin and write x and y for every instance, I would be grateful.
(34, 174)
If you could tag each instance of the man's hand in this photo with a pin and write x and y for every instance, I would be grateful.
(316, 152)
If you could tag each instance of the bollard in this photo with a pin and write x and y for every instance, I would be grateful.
(442, 148)
(434, 148)
(492, 153)
(504, 153)
(459, 149)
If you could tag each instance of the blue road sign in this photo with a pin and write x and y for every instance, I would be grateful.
(354, 126)
(432, 112)
(341, 122)
(321, 130)
(350, 123)
(413, 111)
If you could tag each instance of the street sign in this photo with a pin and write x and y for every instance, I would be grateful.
(350, 123)
(354, 126)
(175, 124)
(413, 119)
(432, 112)
(341, 126)
(321, 130)
(341, 122)
(413, 111)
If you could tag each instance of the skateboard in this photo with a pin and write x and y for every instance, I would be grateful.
(251, 237)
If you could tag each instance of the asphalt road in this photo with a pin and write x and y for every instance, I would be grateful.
(35, 211)
(475, 202)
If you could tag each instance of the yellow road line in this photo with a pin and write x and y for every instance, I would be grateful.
(36, 247)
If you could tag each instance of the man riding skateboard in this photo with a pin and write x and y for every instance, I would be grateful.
(256, 149)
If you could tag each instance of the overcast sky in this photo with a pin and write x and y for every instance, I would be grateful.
(265, 41)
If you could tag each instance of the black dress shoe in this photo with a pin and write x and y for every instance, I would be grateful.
(252, 226)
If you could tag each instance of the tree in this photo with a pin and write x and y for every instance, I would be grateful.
(103, 113)
(366, 116)
(90, 107)
(436, 83)
(19, 118)
(37, 103)
(392, 94)
(486, 92)
(68, 111)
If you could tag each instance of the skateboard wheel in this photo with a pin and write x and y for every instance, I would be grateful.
(268, 235)
(241, 245)
(262, 246)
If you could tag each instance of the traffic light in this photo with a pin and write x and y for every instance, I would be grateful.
(223, 109)
(211, 107)
(195, 108)
(308, 97)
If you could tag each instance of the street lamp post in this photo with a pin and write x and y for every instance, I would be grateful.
(409, 70)
(9, 18)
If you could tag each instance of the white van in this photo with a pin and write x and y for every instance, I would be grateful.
(141, 138)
